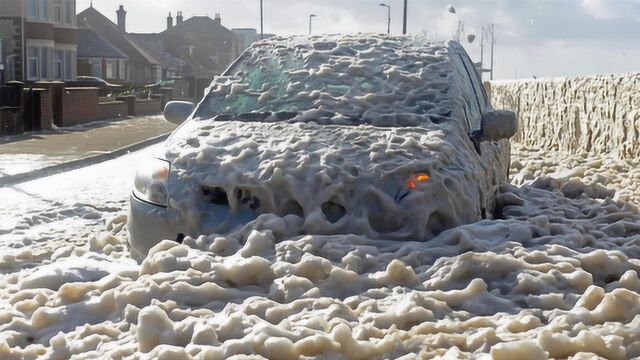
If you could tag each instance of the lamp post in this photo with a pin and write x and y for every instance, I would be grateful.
(261, 21)
(311, 17)
(388, 17)
(404, 21)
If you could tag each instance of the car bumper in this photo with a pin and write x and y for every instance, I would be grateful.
(148, 226)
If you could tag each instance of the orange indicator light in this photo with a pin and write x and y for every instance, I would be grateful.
(411, 184)
(422, 177)
(161, 174)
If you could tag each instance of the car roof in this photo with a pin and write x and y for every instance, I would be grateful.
(410, 72)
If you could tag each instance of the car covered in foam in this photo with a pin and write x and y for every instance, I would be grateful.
(388, 137)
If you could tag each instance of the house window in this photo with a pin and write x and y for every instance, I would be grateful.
(57, 11)
(69, 59)
(58, 61)
(111, 69)
(11, 67)
(122, 70)
(45, 56)
(38, 9)
(43, 10)
(39, 62)
(96, 67)
(68, 11)
(32, 9)
(33, 62)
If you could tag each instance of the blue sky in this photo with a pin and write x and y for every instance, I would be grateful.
(533, 37)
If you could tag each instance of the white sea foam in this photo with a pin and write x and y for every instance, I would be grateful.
(555, 274)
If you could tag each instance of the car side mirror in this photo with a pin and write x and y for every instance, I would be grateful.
(498, 125)
(178, 111)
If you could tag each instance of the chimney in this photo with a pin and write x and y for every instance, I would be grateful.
(122, 19)
(179, 18)
(169, 22)
(217, 19)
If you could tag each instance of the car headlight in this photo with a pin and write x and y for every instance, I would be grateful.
(150, 183)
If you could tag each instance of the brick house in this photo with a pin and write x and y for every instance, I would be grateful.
(38, 40)
(203, 43)
(196, 49)
(142, 68)
(153, 46)
(205, 47)
(98, 58)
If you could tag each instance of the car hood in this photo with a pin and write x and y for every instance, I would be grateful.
(337, 179)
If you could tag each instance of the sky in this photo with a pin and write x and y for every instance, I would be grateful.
(541, 38)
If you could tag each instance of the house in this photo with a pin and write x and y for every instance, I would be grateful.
(203, 43)
(141, 68)
(205, 47)
(196, 49)
(153, 45)
(38, 40)
(247, 36)
(97, 57)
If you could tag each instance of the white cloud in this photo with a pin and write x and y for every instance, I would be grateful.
(612, 9)
(601, 9)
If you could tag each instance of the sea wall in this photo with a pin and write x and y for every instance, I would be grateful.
(595, 114)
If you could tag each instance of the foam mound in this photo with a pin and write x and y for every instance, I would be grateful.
(556, 277)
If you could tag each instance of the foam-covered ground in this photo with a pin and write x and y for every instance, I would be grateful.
(557, 277)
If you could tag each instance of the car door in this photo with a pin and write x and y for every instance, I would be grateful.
(476, 103)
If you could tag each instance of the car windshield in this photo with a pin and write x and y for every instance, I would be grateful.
(365, 81)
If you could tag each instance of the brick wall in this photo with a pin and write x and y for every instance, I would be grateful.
(80, 106)
(10, 121)
(38, 112)
(148, 107)
(130, 100)
(46, 110)
(112, 110)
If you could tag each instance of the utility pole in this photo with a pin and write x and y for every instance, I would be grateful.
(481, 49)
(261, 22)
(491, 31)
(404, 21)
(311, 17)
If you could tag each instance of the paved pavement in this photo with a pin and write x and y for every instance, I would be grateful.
(24, 157)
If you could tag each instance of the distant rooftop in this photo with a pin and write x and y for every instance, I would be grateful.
(92, 44)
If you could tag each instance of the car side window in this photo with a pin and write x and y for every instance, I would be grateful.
(476, 80)
(472, 107)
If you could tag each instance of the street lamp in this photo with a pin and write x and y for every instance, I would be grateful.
(261, 21)
(388, 17)
(311, 17)
(404, 20)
